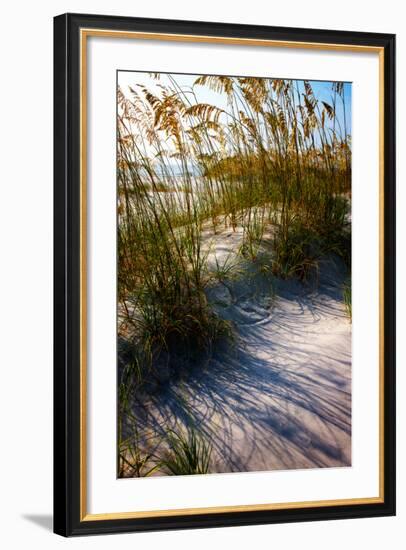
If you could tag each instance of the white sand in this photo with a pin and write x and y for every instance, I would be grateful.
(281, 397)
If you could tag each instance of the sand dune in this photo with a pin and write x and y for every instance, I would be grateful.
(279, 397)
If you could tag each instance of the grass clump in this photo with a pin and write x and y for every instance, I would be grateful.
(296, 252)
(162, 277)
(347, 297)
(176, 453)
(133, 460)
(188, 454)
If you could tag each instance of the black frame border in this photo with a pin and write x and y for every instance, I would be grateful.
(67, 521)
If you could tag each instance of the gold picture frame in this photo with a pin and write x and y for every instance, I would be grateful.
(71, 38)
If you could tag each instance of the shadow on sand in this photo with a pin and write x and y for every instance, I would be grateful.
(279, 397)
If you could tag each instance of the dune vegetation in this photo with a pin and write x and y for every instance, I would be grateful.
(271, 163)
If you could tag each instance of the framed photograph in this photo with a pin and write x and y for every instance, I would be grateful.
(224, 274)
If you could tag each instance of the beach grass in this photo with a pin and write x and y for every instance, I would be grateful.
(189, 453)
